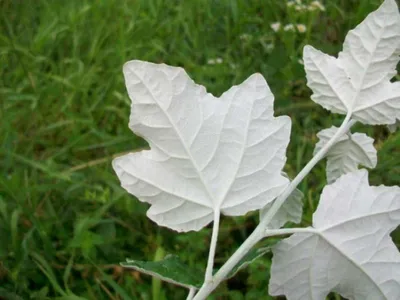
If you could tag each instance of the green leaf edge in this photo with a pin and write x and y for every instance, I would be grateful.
(250, 257)
(192, 276)
(162, 270)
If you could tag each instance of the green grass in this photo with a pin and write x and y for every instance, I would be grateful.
(65, 223)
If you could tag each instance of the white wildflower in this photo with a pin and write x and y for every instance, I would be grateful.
(214, 61)
(276, 26)
(290, 3)
(316, 5)
(289, 27)
(300, 61)
(301, 28)
(245, 37)
(270, 47)
(300, 7)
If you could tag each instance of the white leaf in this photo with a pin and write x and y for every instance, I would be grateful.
(208, 154)
(393, 127)
(290, 211)
(348, 250)
(358, 81)
(349, 151)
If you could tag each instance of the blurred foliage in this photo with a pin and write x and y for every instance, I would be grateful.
(65, 223)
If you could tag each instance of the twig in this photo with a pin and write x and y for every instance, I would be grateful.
(100, 161)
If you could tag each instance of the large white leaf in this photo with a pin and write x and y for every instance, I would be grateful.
(207, 154)
(290, 211)
(349, 151)
(350, 250)
(358, 81)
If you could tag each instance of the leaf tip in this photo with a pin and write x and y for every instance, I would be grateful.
(257, 80)
(360, 175)
(309, 50)
(310, 54)
(389, 5)
(132, 64)
(115, 164)
(257, 77)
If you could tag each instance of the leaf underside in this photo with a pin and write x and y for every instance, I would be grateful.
(358, 81)
(347, 154)
(208, 155)
(290, 211)
(350, 251)
(393, 127)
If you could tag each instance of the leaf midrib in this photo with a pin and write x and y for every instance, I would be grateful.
(360, 85)
(358, 266)
(196, 167)
(355, 219)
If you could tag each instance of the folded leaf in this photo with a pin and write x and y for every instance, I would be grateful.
(348, 250)
(393, 127)
(290, 211)
(358, 81)
(347, 154)
(208, 155)
(170, 269)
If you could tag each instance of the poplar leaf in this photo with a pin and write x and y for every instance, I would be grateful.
(290, 211)
(393, 127)
(358, 81)
(347, 154)
(348, 250)
(208, 155)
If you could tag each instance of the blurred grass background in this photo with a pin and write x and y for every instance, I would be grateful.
(65, 223)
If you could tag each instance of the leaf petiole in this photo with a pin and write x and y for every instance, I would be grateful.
(275, 232)
(213, 246)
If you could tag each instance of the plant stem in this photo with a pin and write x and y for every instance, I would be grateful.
(191, 294)
(213, 246)
(311, 164)
(208, 287)
(260, 231)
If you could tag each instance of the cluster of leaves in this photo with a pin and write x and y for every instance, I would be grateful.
(64, 220)
(210, 156)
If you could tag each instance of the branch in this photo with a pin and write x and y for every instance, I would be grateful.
(259, 232)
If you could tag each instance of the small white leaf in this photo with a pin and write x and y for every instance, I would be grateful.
(290, 211)
(358, 81)
(347, 154)
(348, 250)
(207, 154)
(393, 127)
